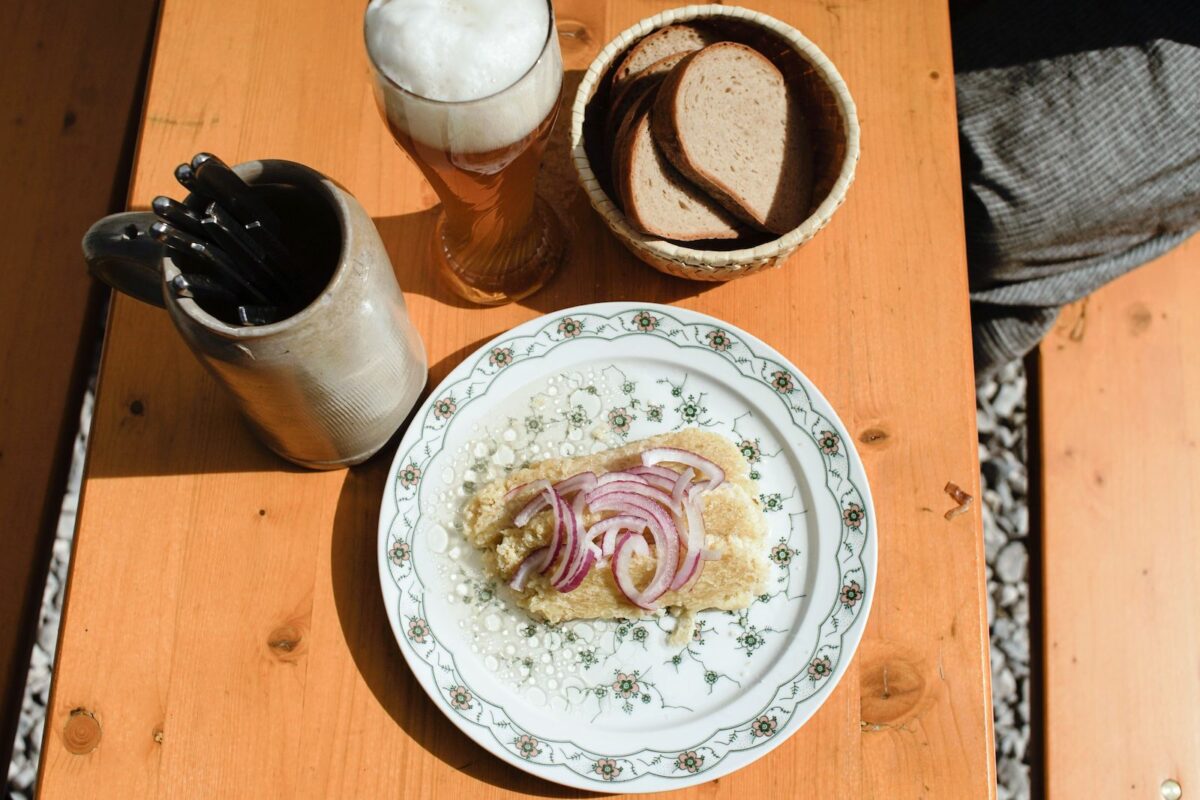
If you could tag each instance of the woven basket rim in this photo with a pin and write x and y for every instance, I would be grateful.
(715, 259)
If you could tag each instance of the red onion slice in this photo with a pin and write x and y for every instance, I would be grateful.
(662, 477)
(648, 469)
(640, 489)
(576, 547)
(635, 523)
(589, 558)
(662, 529)
(583, 481)
(544, 498)
(559, 535)
(569, 543)
(627, 545)
(687, 458)
(691, 565)
(681, 485)
(610, 541)
(610, 477)
(518, 489)
(528, 566)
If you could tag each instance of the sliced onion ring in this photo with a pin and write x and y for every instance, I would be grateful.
(558, 535)
(651, 493)
(527, 567)
(681, 486)
(621, 475)
(627, 545)
(576, 545)
(589, 558)
(662, 477)
(691, 563)
(581, 482)
(568, 543)
(636, 523)
(545, 497)
(674, 455)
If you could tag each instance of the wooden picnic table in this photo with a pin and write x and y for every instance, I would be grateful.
(224, 634)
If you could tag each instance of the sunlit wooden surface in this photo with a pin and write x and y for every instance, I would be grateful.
(1120, 429)
(224, 626)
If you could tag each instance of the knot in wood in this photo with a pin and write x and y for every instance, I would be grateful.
(894, 690)
(81, 734)
(873, 436)
(284, 641)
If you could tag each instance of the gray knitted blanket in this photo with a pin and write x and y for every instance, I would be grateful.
(1079, 124)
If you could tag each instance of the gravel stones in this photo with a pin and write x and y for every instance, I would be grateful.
(1001, 414)
(22, 771)
(1011, 563)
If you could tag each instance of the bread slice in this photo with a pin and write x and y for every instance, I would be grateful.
(619, 155)
(725, 119)
(634, 88)
(657, 199)
(656, 46)
(733, 519)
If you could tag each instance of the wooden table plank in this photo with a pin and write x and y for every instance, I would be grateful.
(1120, 428)
(198, 549)
(70, 91)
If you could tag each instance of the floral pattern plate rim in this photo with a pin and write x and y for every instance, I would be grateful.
(839, 587)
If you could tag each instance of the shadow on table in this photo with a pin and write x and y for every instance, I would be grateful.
(377, 656)
(596, 269)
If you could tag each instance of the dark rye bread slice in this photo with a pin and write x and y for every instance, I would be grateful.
(661, 43)
(657, 200)
(725, 119)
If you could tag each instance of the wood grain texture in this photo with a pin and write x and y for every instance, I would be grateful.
(69, 91)
(198, 550)
(1120, 428)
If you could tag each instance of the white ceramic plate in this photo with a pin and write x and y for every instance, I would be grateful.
(592, 704)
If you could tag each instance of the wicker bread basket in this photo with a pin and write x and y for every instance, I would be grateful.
(824, 99)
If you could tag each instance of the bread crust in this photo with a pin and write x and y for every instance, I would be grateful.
(627, 70)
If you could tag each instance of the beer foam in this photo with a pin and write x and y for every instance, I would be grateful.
(458, 51)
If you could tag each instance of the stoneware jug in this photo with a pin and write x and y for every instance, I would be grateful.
(325, 387)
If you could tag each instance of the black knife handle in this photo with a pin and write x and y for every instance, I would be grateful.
(217, 181)
(213, 297)
(178, 215)
(257, 315)
(216, 259)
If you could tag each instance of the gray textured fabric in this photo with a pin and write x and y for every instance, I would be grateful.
(1079, 125)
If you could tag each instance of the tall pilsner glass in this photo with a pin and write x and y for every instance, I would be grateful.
(495, 241)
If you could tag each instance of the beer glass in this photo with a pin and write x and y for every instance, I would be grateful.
(495, 240)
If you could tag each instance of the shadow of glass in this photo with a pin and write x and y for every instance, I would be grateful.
(354, 571)
(596, 267)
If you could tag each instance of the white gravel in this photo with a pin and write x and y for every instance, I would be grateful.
(1000, 409)
(22, 771)
(1003, 460)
